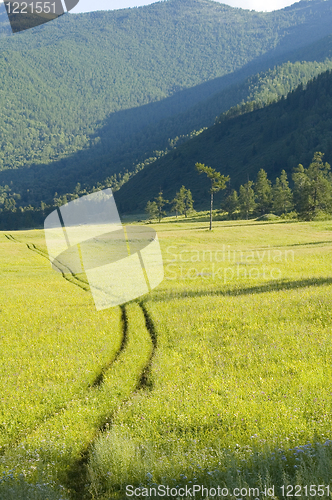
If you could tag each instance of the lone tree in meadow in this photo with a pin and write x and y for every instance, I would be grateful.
(218, 182)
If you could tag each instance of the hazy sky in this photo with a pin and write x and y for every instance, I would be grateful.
(260, 5)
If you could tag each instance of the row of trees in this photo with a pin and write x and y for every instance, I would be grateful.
(182, 204)
(311, 194)
(260, 197)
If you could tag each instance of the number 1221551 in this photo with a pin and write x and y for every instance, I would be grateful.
(37, 8)
(309, 491)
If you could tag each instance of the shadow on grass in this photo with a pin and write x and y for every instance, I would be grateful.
(271, 286)
(246, 224)
(309, 243)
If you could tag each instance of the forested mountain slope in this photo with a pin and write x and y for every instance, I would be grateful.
(91, 94)
(276, 137)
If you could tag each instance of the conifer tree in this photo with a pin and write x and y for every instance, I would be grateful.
(178, 204)
(218, 182)
(231, 204)
(312, 187)
(263, 192)
(152, 210)
(188, 201)
(160, 202)
(183, 202)
(282, 195)
(247, 202)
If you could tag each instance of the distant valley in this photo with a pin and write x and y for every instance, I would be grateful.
(90, 97)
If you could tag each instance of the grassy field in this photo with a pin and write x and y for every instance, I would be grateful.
(220, 377)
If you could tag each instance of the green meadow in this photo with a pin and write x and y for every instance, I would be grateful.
(220, 377)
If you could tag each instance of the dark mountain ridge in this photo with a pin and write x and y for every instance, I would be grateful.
(89, 95)
(278, 136)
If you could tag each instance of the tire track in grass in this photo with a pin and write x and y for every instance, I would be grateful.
(11, 238)
(66, 439)
(100, 377)
(144, 384)
(145, 381)
(76, 475)
(70, 276)
(79, 474)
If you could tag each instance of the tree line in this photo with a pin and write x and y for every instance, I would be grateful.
(182, 204)
(310, 197)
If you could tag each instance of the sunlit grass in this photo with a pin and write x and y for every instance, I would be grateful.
(53, 343)
(239, 389)
(242, 365)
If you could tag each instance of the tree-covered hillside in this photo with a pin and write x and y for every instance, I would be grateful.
(89, 95)
(276, 137)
